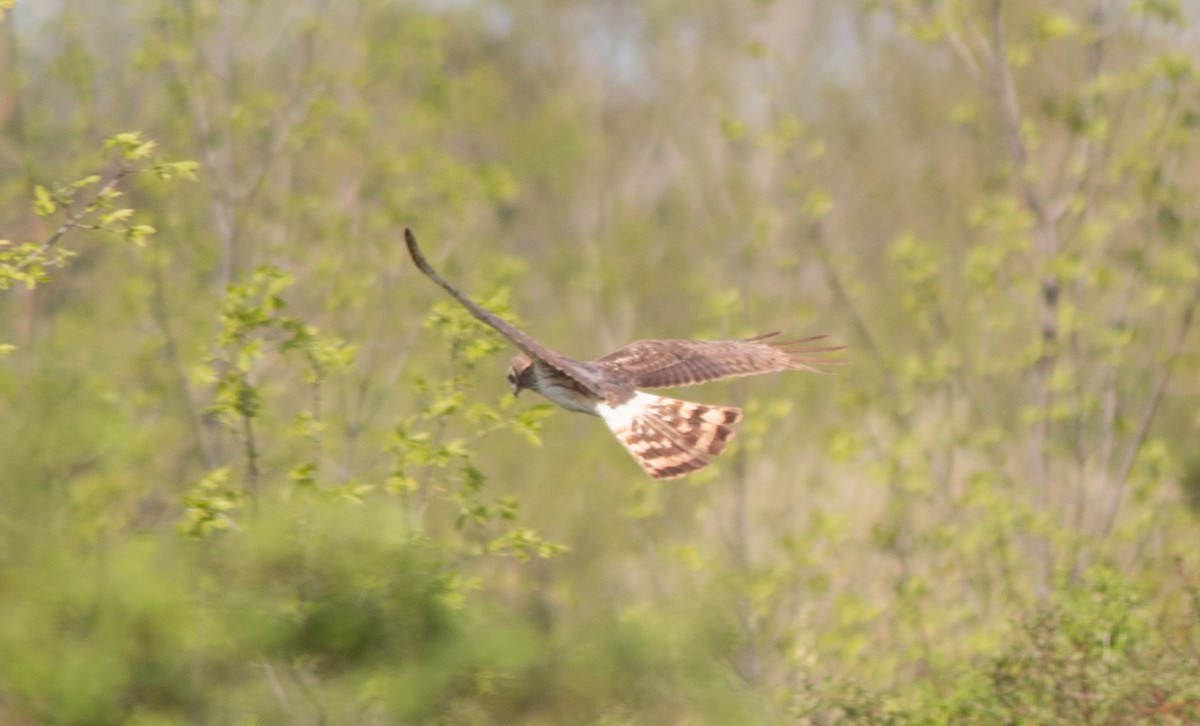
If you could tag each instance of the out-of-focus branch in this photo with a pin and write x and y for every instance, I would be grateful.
(158, 310)
(846, 303)
(1146, 417)
(1010, 111)
(1046, 242)
(216, 143)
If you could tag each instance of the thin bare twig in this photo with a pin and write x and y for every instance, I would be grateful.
(277, 688)
(251, 458)
(1146, 418)
(158, 310)
(846, 303)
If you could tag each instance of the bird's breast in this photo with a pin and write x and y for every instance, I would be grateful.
(565, 393)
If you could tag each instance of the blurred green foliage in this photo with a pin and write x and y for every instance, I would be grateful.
(255, 469)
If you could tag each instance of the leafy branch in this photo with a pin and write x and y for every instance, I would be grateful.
(252, 320)
(88, 203)
(431, 464)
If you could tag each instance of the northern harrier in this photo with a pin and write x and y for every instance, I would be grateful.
(668, 437)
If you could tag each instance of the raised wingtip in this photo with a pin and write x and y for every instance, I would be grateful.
(415, 252)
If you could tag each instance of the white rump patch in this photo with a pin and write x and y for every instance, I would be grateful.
(669, 438)
(620, 417)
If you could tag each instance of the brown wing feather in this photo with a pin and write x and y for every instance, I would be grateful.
(666, 363)
(580, 371)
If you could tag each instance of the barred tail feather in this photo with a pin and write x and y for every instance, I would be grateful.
(668, 437)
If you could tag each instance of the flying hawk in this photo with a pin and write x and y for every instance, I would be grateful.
(668, 437)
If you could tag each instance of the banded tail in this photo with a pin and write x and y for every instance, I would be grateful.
(668, 437)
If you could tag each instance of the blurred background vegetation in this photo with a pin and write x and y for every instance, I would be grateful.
(255, 469)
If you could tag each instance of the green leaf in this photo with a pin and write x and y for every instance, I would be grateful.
(86, 181)
(916, 258)
(1053, 26)
(117, 215)
(138, 233)
(733, 129)
(210, 504)
(817, 204)
(167, 171)
(131, 146)
(43, 204)
(398, 483)
(446, 405)
(304, 475)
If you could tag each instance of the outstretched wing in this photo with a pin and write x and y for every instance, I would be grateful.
(666, 363)
(578, 370)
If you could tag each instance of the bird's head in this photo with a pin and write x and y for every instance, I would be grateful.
(520, 373)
